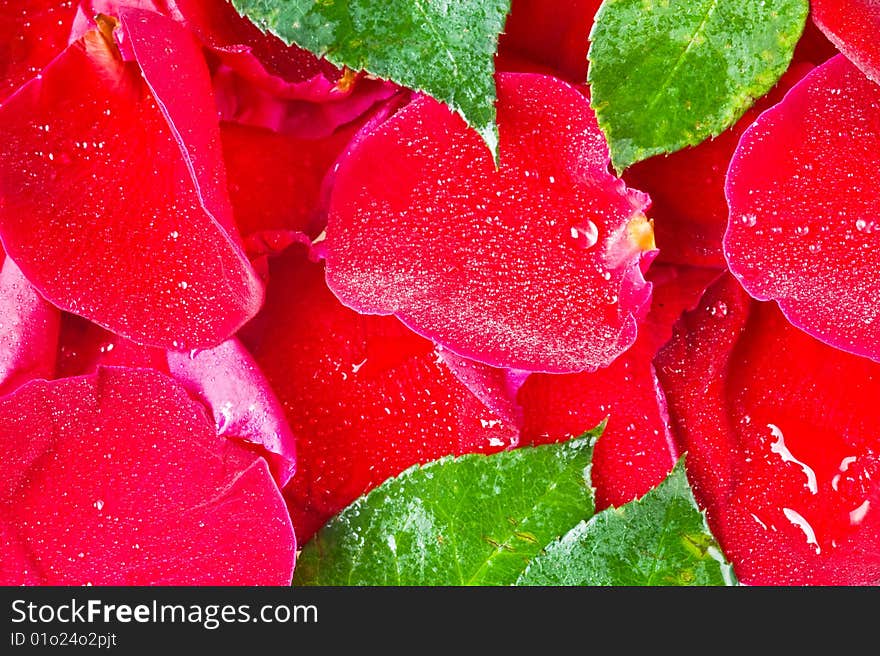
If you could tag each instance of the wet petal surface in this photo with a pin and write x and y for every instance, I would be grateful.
(780, 449)
(143, 255)
(804, 206)
(365, 397)
(533, 266)
(119, 478)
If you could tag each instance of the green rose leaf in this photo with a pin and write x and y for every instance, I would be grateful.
(659, 540)
(666, 74)
(472, 520)
(445, 49)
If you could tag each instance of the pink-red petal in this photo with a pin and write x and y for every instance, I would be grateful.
(804, 200)
(365, 397)
(782, 442)
(534, 266)
(119, 478)
(29, 327)
(93, 176)
(852, 26)
(32, 33)
(227, 380)
(635, 452)
(554, 36)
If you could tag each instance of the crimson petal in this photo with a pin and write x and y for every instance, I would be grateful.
(782, 442)
(120, 479)
(852, 26)
(228, 381)
(533, 266)
(804, 202)
(636, 451)
(143, 257)
(365, 397)
(32, 33)
(29, 328)
(556, 37)
(688, 204)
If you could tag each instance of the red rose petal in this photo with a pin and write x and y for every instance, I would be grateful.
(781, 439)
(813, 47)
(365, 397)
(119, 479)
(142, 255)
(688, 204)
(225, 379)
(275, 180)
(534, 266)
(32, 33)
(635, 452)
(852, 26)
(228, 381)
(804, 202)
(28, 330)
(84, 346)
(556, 37)
(184, 96)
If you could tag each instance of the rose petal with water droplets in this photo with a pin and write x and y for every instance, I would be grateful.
(782, 444)
(142, 255)
(365, 396)
(227, 380)
(29, 328)
(852, 26)
(120, 479)
(635, 451)
(533, 266)
(32, 33)
(805, 207)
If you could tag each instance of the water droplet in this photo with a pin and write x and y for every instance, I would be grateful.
(99, 504)
(587, 235)
(749, 220)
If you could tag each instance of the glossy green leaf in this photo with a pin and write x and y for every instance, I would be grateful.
(445, 49)
(666, 74)
(659, 540)
(473, 520)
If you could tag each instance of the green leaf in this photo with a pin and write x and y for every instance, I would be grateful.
(474, 520)
(665, 74)
(445, 49)
(661, 539)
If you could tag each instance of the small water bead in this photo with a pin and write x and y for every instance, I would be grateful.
(587, 235)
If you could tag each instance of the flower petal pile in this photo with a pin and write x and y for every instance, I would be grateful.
(253, 302)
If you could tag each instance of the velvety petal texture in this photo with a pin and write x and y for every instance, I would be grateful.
(32, 33)
(635, 451)
(29, 328)
(780, 449)
(228, 381)
(365, 396)
(119, 478)
(558, 38)
(852, 26)
(144, 256)
(804, 201)
(535, 265)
